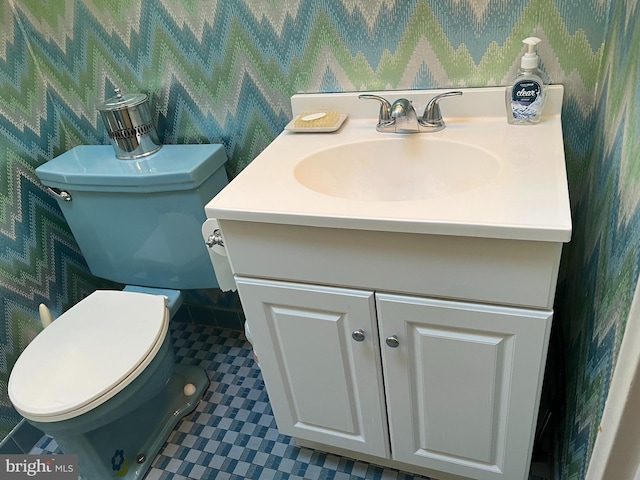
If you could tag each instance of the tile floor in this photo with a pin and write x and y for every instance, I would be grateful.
(232, 433)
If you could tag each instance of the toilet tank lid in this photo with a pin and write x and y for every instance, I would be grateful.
(96, 168)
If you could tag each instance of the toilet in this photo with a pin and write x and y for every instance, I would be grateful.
(102, 378)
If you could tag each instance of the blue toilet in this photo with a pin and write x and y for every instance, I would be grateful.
(102, 379)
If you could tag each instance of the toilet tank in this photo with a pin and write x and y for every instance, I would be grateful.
(139, 222)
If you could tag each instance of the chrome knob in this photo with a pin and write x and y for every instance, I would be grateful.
(215, 239)
(392, 341)
(358, 335)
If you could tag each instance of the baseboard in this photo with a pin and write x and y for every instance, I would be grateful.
(21, 439)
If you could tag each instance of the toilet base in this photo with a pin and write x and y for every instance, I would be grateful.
(125, 448)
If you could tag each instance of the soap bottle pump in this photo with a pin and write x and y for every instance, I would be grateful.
(526, 95)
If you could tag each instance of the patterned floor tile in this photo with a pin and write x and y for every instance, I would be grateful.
(232, 433)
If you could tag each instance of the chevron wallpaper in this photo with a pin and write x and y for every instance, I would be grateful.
(222, 71)
(601, 266)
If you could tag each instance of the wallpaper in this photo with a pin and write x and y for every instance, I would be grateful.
(601, 266)
(222, 71)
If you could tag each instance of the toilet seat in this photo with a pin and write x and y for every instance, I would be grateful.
(88, 355)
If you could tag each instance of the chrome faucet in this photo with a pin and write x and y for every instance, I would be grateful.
(401, 117)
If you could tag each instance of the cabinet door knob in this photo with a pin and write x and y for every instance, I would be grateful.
(392, 341)
(358, 335)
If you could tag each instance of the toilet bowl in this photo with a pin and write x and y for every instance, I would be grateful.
(102, 380)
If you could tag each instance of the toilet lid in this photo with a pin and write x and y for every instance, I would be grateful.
(88, 354)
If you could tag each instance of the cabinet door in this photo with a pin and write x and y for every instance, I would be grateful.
(462, 384)
(323, 385)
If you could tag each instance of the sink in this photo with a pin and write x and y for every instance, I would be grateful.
(479, 177)
(397, 169)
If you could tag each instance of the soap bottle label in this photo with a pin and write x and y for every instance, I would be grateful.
(526, 99)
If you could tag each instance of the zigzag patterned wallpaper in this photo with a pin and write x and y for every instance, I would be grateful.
(601, 266)
(222, 71)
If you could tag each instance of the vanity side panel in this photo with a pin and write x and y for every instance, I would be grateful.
(508, 272)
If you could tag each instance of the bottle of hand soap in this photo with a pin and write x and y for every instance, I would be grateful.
(526, 95)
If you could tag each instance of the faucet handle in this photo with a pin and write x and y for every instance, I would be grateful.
(385, 106)
(432, 116)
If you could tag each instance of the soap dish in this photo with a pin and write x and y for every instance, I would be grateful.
(319, 122)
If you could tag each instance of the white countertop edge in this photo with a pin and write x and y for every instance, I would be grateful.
(558, 233)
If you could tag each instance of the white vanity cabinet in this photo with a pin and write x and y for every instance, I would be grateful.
(440, 252)
(424, 353)
(448, 387)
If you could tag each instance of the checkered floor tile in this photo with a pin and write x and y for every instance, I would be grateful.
(232, 433)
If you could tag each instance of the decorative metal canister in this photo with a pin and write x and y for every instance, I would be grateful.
(129, 125)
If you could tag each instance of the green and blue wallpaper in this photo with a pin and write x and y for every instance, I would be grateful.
(222, 71)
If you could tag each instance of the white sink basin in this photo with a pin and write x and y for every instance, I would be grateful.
(397, 168)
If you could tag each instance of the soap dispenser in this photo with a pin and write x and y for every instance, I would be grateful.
(526, 95)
